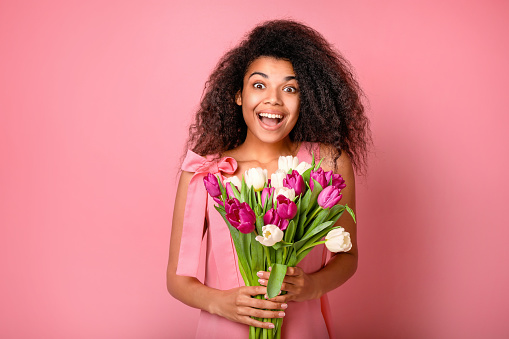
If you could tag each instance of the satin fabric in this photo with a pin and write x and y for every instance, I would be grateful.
(309, 319)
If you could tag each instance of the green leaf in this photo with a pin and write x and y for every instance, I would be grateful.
(276, 280)
(351, 213)
(236, 192)
(317, 230)
(243, 191)
(224, 195)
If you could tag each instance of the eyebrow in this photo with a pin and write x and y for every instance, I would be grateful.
(288, 78)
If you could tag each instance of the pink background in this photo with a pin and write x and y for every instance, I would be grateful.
(95, 99)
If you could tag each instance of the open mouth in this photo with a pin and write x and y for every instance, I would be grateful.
(270, 119)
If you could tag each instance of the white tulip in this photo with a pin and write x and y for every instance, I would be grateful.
(256, 177)
(338, 240)
(287, 192)
(276, 179)
(302, 167)
(234, 180)
(287, 163)
(271, 235)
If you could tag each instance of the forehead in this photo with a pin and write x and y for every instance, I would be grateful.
(271, 67)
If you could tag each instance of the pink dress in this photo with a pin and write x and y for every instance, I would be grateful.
(309, 319)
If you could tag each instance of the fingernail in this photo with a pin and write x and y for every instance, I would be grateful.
(281, 314)
(266, 296)
(271, 325)
(284, 306)
(270, 268)
(261, 281)
(260, 274)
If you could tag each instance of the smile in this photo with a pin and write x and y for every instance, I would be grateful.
(270, 119)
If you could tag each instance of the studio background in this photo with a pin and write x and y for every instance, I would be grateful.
(95, 101)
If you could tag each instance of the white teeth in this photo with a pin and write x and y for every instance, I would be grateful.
(271, 116)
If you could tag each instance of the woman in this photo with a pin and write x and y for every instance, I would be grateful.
(283, 91)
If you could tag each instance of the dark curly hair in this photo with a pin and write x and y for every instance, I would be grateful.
(331, 111)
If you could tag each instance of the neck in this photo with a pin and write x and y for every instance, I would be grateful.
(254, 148)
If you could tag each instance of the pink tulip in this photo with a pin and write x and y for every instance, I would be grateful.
(266, 193)
(212, 185)
(329, 197)
(286, 208)
(295, 181)
(240, 215)
(321, 177)
(271, 217)
(337, 181)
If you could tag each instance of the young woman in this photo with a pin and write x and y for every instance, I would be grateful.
(283, 91)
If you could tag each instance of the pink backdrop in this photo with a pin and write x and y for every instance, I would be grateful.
(95, 99)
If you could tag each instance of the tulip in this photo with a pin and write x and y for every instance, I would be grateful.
(271, 235)
(320, 176)
(218, 201)
(276, 179)
(295, 181)
(271, 217)
(338, 240)
(285, 191)
(329, 197)
(337, 181)
(212, 185)
(286, 208)
(240, 216)
(287, 163)
(266, 192)
(302, 167)
(232, 181)
(231, 204)
(256, 177)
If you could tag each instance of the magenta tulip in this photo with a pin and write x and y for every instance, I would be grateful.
(320, 176)
(329, 197)
(295, 181)
(266, 193)
(271, 217)
(337, 181)
(286, 208)
(240, 216)
(212, 185)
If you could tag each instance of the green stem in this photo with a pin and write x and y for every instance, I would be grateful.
(259, 198)
(309, 246)
(315, 212)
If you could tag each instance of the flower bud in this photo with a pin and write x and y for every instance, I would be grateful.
(212, 185)
(329, 197)
(338, 240)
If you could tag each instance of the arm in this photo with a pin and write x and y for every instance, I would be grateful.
(301, 286)
(235, 304)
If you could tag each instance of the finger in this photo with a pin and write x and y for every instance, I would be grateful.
(263, 275)
(283, 299)
(254, 290)
(260, 303)
(263, 282)
(256, 323)
(258, 313)
(294, 271)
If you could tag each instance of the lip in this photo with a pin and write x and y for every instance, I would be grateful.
(271, 111)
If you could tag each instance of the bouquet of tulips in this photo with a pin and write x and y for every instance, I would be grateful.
(275, 223)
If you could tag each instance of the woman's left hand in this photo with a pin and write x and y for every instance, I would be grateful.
(299, 285)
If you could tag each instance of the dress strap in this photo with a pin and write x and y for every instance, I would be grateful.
(196, 204)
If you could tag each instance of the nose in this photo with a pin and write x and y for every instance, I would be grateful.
(273, 97)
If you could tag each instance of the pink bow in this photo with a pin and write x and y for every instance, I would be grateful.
(196, 203)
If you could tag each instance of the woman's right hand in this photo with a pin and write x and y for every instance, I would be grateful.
(238, 305)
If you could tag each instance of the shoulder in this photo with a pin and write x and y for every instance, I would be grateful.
(342, 164)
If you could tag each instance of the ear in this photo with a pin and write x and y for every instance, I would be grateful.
(238, 98)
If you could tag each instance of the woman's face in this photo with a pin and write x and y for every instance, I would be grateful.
(270, 99)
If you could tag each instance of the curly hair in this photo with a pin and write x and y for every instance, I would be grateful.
(331, 111)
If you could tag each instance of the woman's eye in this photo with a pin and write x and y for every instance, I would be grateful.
(290, 89)
(259, 85)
